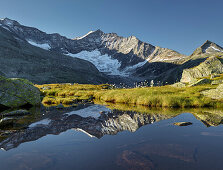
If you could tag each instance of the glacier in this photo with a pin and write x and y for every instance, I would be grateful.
(106, 63)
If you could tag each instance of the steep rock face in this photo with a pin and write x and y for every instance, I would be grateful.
(209, 66)
(207, 48)
(128, 51)
(126, 58)
(23, 60)
(18, 92)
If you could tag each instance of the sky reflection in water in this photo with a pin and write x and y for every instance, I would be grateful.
(113, 140)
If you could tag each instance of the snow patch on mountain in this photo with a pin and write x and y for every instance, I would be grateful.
(8, 22)
(44, 46)
(104, 63)
(132, 68)
(78, 38)
(215, 49)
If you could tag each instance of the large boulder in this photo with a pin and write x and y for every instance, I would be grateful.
(18, 92)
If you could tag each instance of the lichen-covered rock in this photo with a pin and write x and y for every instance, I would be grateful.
(211, 65)
(214, 93)
(18, 92)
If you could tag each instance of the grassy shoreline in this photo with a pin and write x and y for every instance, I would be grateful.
(164, 96)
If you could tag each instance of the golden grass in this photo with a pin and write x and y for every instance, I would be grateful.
(164, 96)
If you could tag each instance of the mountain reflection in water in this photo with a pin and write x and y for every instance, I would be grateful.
(100, 120)
(94, 120)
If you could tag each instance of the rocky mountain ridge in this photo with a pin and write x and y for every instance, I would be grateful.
(126, 57)
(128, 51)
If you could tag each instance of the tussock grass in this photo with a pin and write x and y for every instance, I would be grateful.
(164, 96)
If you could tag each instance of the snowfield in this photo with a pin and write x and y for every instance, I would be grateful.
(43, 46)
(79, 38)
(106, 63)
(215, 49)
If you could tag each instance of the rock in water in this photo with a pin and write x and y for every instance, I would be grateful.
(18, 92)
(183, 123)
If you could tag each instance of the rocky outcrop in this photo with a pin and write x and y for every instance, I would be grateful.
(207, 48)
(18, 92)
(22, 60)
(129, 51)
(111, 54)
(211, 65)
(214, 93)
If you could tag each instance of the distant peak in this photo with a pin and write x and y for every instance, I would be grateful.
(97, 32)
(208, 42)
(208, 47)
(7, 21)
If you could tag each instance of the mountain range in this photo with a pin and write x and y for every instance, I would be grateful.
(96, 57)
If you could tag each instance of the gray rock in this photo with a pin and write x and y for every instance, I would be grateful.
(209, 66)
(18, 92)
(214, 93)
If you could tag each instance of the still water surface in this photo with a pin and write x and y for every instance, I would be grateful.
(94, 137)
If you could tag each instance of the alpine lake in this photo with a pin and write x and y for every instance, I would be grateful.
(111, 136)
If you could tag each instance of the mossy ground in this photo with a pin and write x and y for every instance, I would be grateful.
(164, 96)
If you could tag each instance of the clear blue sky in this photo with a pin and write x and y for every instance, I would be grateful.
(182, 25)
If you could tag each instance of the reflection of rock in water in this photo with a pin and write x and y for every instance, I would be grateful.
(210, 117)
(110, 123)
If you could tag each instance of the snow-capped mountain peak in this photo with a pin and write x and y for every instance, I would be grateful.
(110, 53)
(209, 47)
(90, 33)
(78, 38)
(8, 22)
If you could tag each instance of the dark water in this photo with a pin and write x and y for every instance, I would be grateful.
(83, 138)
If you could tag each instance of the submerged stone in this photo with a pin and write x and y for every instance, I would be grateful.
(182, 123)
